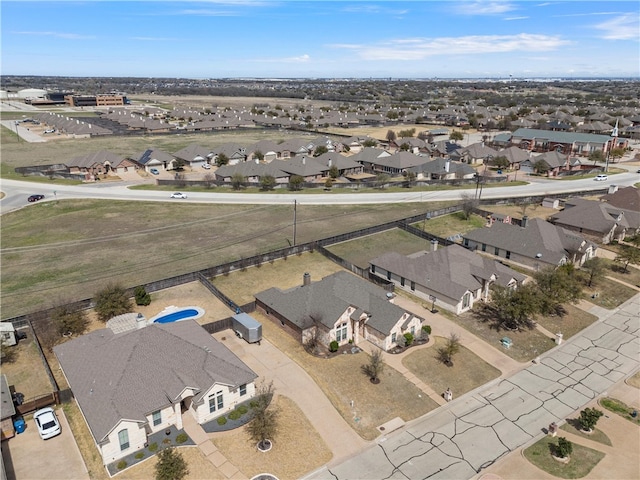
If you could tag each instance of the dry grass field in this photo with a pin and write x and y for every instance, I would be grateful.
(27, 372)
(59, 251)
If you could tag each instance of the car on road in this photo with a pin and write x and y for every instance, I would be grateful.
(35, 198)
(154, 171)
(47, 423)
(178, 195)
(601, 178)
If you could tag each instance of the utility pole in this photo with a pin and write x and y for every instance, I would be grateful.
(295, 209)
(614, 136)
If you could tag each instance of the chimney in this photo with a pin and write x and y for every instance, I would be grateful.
(433, 245)
(525, 221)
(306, 279)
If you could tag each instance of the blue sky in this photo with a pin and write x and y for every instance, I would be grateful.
(346, 39)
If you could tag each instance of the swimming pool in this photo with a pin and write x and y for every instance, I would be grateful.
(175, 314)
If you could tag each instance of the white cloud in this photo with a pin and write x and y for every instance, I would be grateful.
(624, 27)
(420, 48)
(66, 36)
(483, 8)
(515, 18)
(299, 59)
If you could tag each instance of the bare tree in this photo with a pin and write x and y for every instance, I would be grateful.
(446, 353)
(313, 343)
(263, 426)
(374, 368)
(469, 204)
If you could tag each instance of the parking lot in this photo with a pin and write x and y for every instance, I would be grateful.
(27, 456)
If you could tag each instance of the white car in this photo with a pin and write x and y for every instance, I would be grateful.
(601, 178)
(206, 166)
(178, 195)
(47, 423)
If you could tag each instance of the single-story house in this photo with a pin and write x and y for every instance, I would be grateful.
(341, 307)
(627, 198)
(102, 162)
(194, 155)
(130, 385)
(443, 169)
(599, 220)
(474, 154)
(453, 276)
(535, 243)
(155, 158)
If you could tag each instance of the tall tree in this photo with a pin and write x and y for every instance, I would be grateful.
(171, 465)
(515, 309)
(222, 159)
(237, 181)
(267, 183)
(391, 135)
(456, 136)
(295, 183)
(595, 268)
(557, 286)
(70, 320)
(264, 423)
(627, 255)
(112, 301)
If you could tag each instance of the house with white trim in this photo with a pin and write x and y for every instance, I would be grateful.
(130, 385)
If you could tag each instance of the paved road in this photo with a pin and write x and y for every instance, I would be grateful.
(471, 433)
(18, 191)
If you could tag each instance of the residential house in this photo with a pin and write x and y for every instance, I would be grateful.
(535, 243)
(515, 156)
(476, 153)
(409, 144)
(443, 169)
(155, 158)
(341, 307)
(394, 165)
(453, 276)
(194, 155)
(306, 167)
(234, 152)
(100, 163)
(270, 151)
(130, 385)
(345, 165)
(599, 220)
(627, 198)
(252, 172)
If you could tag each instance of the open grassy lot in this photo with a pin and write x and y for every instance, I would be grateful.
(452, 224)
(582, 461)
(70, 249)
(361, 250)
(242, 286)
(342, 381)
(527, 344)
(569, 324)
(468, 371)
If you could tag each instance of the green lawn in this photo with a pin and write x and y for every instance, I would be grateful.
(572, 322)
(468, 371)
(581, 462)
(448, 225)
(527, 344)
(620, 408)
(361, 250)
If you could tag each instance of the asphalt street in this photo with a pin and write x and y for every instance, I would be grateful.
(17, 191)
(469, 434)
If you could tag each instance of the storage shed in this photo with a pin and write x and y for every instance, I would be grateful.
(551, 203)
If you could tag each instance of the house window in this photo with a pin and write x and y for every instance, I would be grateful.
(466, 242)
(496, 251)
(466, 300)
(388, 275)
(402, 281)
(393, 337)
(243, 389)
(157, 418)
(216, 402)
(413, 285)
(484, 247)
(341, 332)
(123, 438)
(508, 255)
(373, 269)
(413, 330)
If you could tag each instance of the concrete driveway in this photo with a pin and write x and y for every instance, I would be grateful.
(27, 456)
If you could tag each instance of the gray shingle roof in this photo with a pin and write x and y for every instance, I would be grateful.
(129, 375)
(450, 271)
(595, 216)
(329, 298)
(560, 137)
(538, 237)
